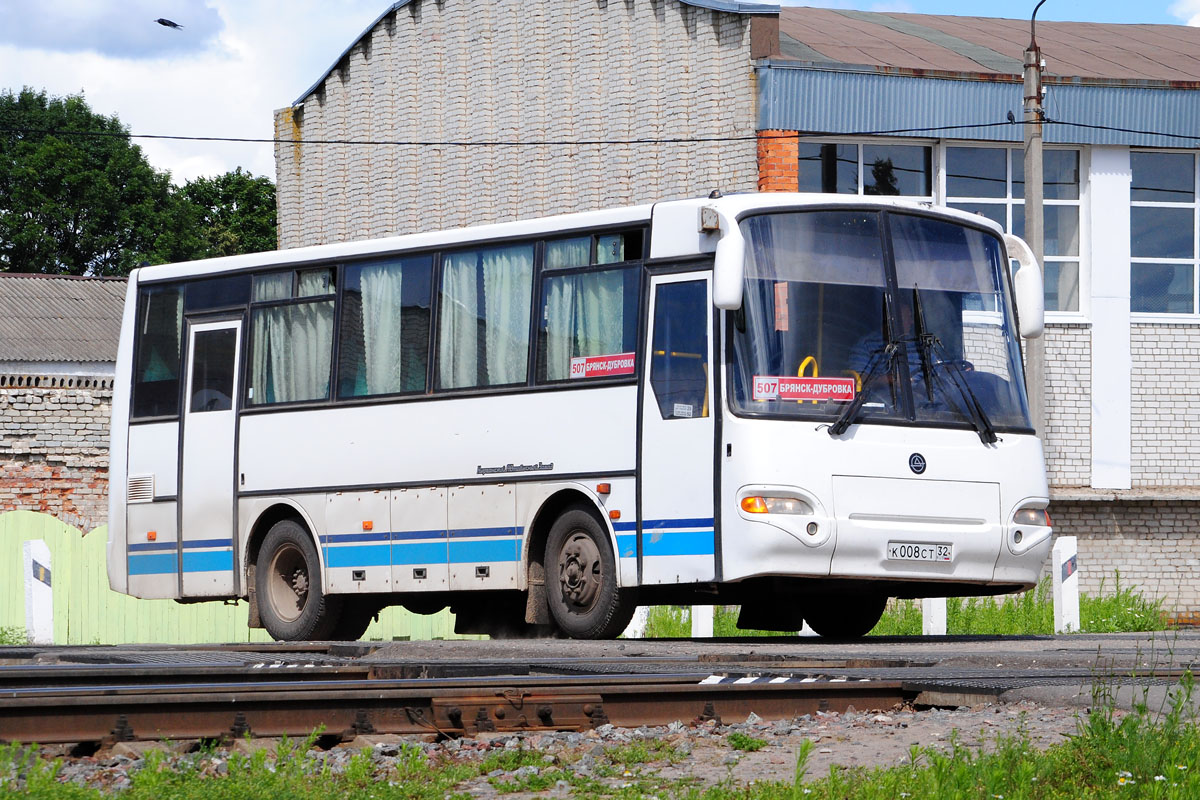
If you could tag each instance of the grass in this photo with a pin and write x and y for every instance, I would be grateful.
(1124, 609)
(740, 741)
(13, 636)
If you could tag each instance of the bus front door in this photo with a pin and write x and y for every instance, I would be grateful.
(677, 540)
(207, 497)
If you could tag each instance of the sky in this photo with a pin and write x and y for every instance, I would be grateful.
(234, 61)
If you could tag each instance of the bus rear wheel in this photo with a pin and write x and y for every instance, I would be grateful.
(844, 617)
(287, 577)
(581, 579)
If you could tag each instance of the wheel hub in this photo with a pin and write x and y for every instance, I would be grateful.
(579, 571)
(287, 589)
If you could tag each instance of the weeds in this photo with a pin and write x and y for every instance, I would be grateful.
(740, 741)
(13, 636)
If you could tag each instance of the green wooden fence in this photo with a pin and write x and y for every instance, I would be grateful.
(86, 611)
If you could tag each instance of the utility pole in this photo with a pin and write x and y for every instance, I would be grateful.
(1035, 350)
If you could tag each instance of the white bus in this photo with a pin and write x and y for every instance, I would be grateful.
(799, 404)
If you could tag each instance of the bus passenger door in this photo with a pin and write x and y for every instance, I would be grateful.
(206, 489)
(677, 538)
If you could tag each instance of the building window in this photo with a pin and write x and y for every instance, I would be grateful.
(1162, 231)
(869, 169)
(990, 181)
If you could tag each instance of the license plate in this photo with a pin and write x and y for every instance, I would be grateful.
(911, 551)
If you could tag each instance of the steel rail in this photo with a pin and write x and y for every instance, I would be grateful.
(215, 712)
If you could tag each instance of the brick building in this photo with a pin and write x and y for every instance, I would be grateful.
(58, 345)
(1122, 236)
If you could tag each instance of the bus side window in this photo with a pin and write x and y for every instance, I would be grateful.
(156, 377)
(679, 350)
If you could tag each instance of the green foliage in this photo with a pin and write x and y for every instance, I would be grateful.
(234, 213)
(13, 636)
(740, 741)
(93, 205)
(1031, 613)
(643, 751)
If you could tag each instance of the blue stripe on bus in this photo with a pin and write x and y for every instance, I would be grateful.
(419, 553)
(157, 564)
(188, 544)
(678, 543)
(211, 561)
(626, 545)
(624, 526)
(347, 538)
(404, 535)
(477, 552)
(142, 547)
(369, 556)
(472, 532)
(654, 524)
(168, 563)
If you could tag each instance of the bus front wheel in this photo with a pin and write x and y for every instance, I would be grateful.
(291, 604)
(581, 579)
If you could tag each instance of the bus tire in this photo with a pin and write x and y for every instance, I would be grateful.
(581, 579)
(845, 617)
(291, 603)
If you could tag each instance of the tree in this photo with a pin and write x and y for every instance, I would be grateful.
(234, 213)
(92, 204)
(77, 204)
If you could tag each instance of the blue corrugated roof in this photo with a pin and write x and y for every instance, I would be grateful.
(730, 6)
(817, 98)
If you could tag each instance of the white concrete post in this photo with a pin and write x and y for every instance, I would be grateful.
(636, 629)
(702, 622)
(933, 616)
(39, 599)
(1065, 566)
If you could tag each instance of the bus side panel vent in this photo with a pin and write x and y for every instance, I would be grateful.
(141, 489)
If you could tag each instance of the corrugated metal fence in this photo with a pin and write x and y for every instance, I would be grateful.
(86, 611)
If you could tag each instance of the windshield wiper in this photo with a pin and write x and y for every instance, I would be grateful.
(884, 355)
(927, 343)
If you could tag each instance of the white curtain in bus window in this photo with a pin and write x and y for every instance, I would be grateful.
(569, 253)
(385, 328)
(291, 353)
(488, 345)
(273, 287)
(584, 315)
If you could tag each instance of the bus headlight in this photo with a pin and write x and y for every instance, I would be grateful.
(757, 504)
(1032, 516)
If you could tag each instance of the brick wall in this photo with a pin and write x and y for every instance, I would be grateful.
(1152, 543)
(54, 447)
(489, 70)
(1068, 435)
(778, 161)
(1165, 419)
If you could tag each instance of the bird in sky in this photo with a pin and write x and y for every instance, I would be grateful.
(166, 23)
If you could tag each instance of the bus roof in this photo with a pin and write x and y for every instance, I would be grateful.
(677, 232)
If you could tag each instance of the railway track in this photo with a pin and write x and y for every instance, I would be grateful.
(105, 695)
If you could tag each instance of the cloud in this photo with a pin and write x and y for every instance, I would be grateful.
(1188, 11)
(263, 56)
(117, 28)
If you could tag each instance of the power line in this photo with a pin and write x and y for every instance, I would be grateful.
(581, 142)
(493, 143)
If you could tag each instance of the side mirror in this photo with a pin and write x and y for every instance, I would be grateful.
(729, 266)
(1031, 298)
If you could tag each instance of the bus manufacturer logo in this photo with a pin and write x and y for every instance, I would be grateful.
(916, 462)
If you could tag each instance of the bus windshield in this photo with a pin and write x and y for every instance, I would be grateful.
(880, 316)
